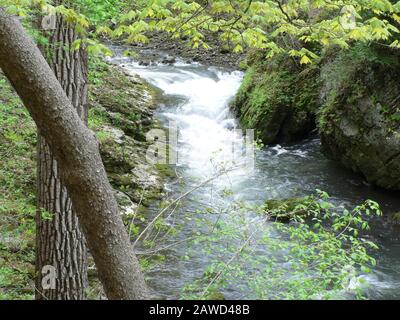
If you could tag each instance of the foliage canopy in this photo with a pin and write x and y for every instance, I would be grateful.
(299, 27)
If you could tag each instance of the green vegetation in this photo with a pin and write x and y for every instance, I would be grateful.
(326, 65)
(263, 24)
(322, 257)
(17, 202)
(297, 28)
(17, 172)
(278, 98)
(100, 11)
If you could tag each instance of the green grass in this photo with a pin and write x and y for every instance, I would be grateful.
(17, 202)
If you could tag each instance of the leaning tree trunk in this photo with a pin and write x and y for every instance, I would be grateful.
(59, 239)
(76, 150)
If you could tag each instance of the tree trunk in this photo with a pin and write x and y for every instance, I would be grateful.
(59, 239)
(76, 150)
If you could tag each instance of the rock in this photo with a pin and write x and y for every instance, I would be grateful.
(123, 108)
(353, 96)
(144, 63)
(168, 60)
(126, 205)
(358, 120)
(196, 58)
(216, 295)
(278, 100)
(145, 178)
(116, 134)
(122, 179)
(146, 121)
(284, 210)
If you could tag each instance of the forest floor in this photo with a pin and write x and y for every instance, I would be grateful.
(121, 112)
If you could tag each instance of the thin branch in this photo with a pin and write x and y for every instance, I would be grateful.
(177, 200)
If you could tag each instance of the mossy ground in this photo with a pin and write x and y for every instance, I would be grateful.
(119, 106)
(17, 200)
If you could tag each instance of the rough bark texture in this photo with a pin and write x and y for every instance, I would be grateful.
(77, 152)
(59, 240)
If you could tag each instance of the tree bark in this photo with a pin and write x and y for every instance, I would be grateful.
(76, 150)
(59, 239)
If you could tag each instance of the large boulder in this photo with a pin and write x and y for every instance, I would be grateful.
(278, 99)
(360, 115)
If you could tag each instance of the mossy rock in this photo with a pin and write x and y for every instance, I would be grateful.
(286, 210)
(359, 121)
(125, 180)
(396, 218)
(121, 114)
(216, 295)
(277, 99)
(166, 171)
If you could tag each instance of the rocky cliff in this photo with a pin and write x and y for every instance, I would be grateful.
(352, 96)
(278, 98)
(359, 118)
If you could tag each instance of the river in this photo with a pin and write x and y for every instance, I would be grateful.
(195, 98)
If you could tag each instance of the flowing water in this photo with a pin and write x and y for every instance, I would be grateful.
(195, 99)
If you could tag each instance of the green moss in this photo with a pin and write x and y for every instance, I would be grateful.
(215, 295)
(396, 217)
(285, 210)
(277, 99)
(165, 171)
(17, 201)
(347, 78)
(103, 136)
(97, 119)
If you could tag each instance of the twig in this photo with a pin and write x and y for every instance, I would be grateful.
(232, 258)
(175, 201)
